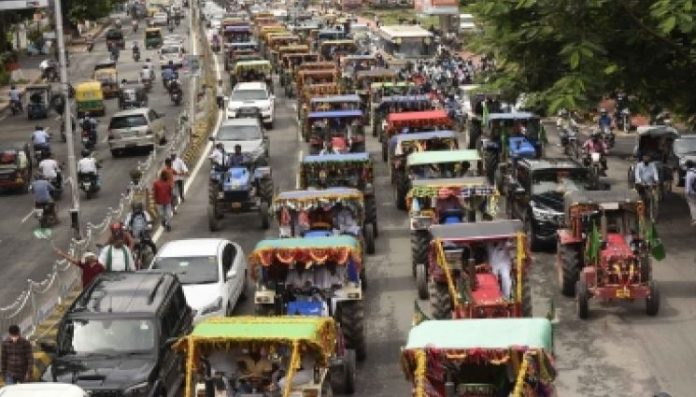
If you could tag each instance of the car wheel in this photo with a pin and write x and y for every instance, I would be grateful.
(534, 243)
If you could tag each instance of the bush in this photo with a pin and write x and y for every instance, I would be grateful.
(4, 76)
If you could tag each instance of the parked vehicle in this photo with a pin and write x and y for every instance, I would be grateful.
(16, 165)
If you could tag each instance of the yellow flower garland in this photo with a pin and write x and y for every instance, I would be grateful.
(519, 383)
(294, 364)
(420, 373)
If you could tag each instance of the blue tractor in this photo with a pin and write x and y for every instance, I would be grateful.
(239, 189)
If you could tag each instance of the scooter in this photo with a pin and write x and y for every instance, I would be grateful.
(594, 162)
(89, 183)
(569, 142)
(16, 107)
(175, 96)
(46, 214)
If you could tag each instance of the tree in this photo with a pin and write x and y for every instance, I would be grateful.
(569, 53)
(75, 11)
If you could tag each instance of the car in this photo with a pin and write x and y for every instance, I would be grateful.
(252, 94)
(534, 194)
(121, 329)
(249, 134)
(42, 390)
(683, 148)
(159, 19)
(135, 128)
(174, 39)
(213, 273)
(467, 23)
(171, 52)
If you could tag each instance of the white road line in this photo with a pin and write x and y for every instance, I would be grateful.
(26, 218)
(300, 156)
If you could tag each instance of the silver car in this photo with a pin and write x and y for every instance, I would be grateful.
(135, 128)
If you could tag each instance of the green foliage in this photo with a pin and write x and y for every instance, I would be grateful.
(79, 10)
(569, 53)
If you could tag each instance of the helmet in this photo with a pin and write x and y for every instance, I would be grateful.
(137, 206)
(86, 153)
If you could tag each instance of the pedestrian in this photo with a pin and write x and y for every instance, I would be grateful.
(690, 189)
(91, 268)
(17, 358)
(220, 94)
(117, 256)
(162, 191)
(181, 171)
(171, 175)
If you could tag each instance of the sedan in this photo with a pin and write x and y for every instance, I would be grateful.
(159, 19)
(171, 52)
(212, 271)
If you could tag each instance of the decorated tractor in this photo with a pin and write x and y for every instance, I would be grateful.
(444, 201)
(318, 276)
(353, 170)
(332, 103)
(405, 122)
(402, 145)
(396, 104)
(266, 357)
(478, 270)
(321, 213)
(236, 52)
(507, 137)
(290, 63)
(605, 250)
(335, 132)
(310, 91)
(438, 164)
(480, 358)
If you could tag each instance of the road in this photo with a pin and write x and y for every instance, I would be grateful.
(27, 257)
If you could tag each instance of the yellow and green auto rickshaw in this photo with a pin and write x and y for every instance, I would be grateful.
(109, 81)
(153, 38)
(89, 98)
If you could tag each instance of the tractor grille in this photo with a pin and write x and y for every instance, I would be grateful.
(240, 196)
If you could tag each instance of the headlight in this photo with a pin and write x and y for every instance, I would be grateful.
(213, 307)
(544, 215)
(141, 389)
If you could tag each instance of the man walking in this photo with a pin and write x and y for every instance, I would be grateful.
(162, 191)
(17, 358)
(690, 189)
(180, 173)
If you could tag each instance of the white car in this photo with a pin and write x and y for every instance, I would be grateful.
(467, 23)
(213, 273)
(254, 95)
(173, 39)
(171, 52)
(42, 390)
(159, 19)
(247, 133)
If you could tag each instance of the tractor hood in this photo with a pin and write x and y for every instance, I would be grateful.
(237, 178)
(102, 372)
(616, 247)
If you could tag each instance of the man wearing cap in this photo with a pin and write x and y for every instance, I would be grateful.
(91, 268)
(447, 201)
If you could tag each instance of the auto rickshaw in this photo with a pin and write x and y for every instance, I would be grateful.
(153, 38)
(656, 141)
(89, 98)
(39, 97)
(303, 355)
(480, 357)
(404, 122)
(132, 96)
(15, 167)
(335, 132)
(354, 170)
(396, 104)
(289, 64)
(332, 50)
(109, 81)
(248, 71)
(314, 213)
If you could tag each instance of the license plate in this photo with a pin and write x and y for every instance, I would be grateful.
(236, 205)
(623, 294)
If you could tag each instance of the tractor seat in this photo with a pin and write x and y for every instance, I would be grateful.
(317, 233)
(451, 216)
(488, 290)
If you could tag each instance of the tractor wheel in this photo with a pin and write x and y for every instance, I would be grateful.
(490, 163)
(345, 384)
(440, 301)
(371, 214)
(534, 243)
(385, 154)
(569, 270)
(631, 177)
(266, 190)
(265, 217)
(422, 280)
(352, 318)
(582, 299)
(474, 132)
(401, 190)
(652, 302)
(369, 235)
(526, 297)
(420, 241)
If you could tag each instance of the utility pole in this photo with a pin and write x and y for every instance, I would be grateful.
(72, 163)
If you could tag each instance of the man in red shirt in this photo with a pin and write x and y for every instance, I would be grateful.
(91, 268)
(162, 192)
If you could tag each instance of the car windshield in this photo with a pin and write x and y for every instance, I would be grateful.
(239, 133)
(153, 35)
(136, 120)
(114, 35)
(94, 336)
(565, 180)
(190, 270)
(685, 146)
(249, 95)
(170, 50)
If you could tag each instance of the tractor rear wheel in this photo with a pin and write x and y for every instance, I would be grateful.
(490, 163)
(369, 235)
(351, 315)
(422, 280)
(265, 216)
(420, 240)
(371, 214)
(266, 189)
(526, 297)
(652, 302)
(569, 268)
(582, 299)
(213, 216)
(385, 154)
(401, 191)
(345, 384)
(440, 301)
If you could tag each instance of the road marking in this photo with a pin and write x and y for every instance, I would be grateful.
(299, 162)
(27, 216)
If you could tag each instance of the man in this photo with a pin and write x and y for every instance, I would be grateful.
(40, 138)
(500, 262)
(91, 268)
(87, 166)
(17, 358)
(690, 189)
(237, 159)
(220, 94)
(217, 157)
(299, 277)
(42, 192)
(171, 175)
(137, 222)
(50, 169)
(596, 145)
(162, 190)
(604, 119)
(253, 364)
(117, 256)
(181, 171)
(646, 172)
(15, 96)
(346, 221)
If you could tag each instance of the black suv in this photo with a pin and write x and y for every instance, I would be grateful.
(534, 194)
(115, 340)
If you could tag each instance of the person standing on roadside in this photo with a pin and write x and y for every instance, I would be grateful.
(162, 191)
(220, 94)
(17, 358)
(91, 268)
(181, 171)
(690, 189)
(171, 176)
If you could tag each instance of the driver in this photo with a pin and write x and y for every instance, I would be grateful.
(299, 277)
(604, 119)
(346, 221)
(597, 145)
(253, 364)
(447, 201)
(500, 262)
(237, 159)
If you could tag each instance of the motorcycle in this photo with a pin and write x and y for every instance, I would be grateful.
(147, 83)
(651, 197)
(594, 162)
(569, 142)
(89, 135)
(135, 25)
(175, 96)
(89, 184)
(49, 74)
(143, 249)
(63, 137)
(41, 152)
(45, 213)
(136, 55)
(608, 136)
(623, 120)
(16, 107)
(113, 54)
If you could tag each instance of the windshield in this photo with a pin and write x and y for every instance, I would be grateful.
(170, 50)
(249, 95)
(239, 133)
(559, 180)
(136, 120)
(191, 270)
(685, 146)
(89, 336)
(153, 35)
(8, 159)
(114, 35)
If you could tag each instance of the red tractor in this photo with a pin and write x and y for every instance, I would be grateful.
(602, 252)
(479, 270)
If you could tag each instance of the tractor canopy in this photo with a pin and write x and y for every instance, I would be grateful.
(422, 141)
(601, 198)
(337, 99)
(442, 157)
(334, 170)
(308, 200)
(337, 114)
(411, 100)
(462, 188)
(481, 231)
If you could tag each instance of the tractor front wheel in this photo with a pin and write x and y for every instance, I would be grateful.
(568, 268)
(266, 190)
(265, 216)
(369, 235)
(213, 216)
(652, 302)
(420, 241)
(371, 214)
(440, 301)
(422, 280)
(582, 299)
(351, 316)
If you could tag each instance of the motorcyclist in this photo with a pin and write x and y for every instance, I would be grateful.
(136, 50)
(87, 166)
(42, 189)
(565, 121)
(168, 73)
(89, 124)
(646, 172)
(604, 120)
(135, 23)
(145, 75)
(597, 145)
(40, 139)
(50, 170)
(148, 64)
(237, 159)
(139, 221)
(15, 97)
(175, 86)
(115, 51)
(48, 67)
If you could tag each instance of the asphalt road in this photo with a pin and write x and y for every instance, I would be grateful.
(27, 257)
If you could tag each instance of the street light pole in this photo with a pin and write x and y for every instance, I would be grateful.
(67, 120)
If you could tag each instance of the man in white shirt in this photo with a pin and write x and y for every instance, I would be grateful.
(40, 138)
(218, 156)
(87, 164)
(180, 172)
(299, 277)
(49, 168)
(117, 257)
(501, 262)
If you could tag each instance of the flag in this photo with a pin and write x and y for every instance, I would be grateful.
(592, 252)
(542, 135)
(657, 249)
(418, 314)
(485, 113)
